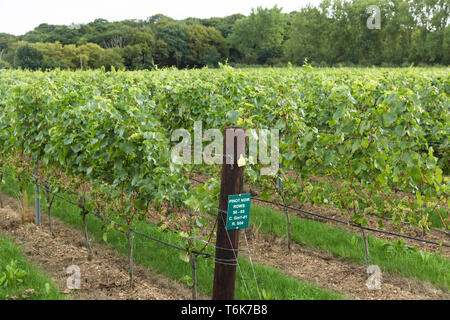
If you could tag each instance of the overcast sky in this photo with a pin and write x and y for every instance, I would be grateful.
(20, 16)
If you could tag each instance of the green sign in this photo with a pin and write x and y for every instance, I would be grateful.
(238, 214)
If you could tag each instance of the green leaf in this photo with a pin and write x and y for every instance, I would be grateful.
(233, 116)
(419, 198)
(188, 280)
(184, 235)
(416, 174)
(265, 195)
(438, 175)
(407, 157)
(184, 257)
(140, 204)
(47, 288)
(356, 145)
(126, 147)
(389, 118)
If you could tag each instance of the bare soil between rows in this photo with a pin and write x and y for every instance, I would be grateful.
(330, 272)
(432, 235)
(340, 275)
(105, 277)
(409, 230)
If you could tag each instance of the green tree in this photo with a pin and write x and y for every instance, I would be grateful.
(137, 57)
(259, 37)
(111, 58)
(206, 45)
(4, 65)
(53, 54)
(71, 57)
(139, 53)
(158, 18)
(224, 25)
(90, 53)
(306, 36)
(5, 40)
(333, 32)
(446, 46)
(161, 53)
(175, 36)
(52, 33)
(29, 58)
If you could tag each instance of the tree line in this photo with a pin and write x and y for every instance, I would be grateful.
(332, 33)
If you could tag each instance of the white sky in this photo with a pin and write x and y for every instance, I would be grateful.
(19, 16)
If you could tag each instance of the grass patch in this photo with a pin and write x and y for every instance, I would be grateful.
(391, 257)
(167, 261)
(23, 280)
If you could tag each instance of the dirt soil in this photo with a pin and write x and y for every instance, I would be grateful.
(433, 235)
(106, 277)
(327, 271)
(338, 274)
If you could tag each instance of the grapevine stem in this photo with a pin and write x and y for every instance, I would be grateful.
(49, 209)
(88, 245)
(193, 257)
(130, 244)
(1, 198)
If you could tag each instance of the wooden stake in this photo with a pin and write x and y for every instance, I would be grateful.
(232, 182)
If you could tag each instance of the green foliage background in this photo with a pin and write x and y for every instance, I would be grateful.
(331, 34)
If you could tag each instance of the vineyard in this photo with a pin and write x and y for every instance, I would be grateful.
(368, 145)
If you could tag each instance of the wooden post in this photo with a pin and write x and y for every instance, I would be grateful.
(226, 241)
(37, 200)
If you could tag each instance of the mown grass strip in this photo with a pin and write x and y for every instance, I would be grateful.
(168, 261)
(19, 279)
(391, 257)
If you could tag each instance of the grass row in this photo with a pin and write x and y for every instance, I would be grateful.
(19, 279)
(391, 257)
(169, 262)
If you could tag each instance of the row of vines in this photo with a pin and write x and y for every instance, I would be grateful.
(378, 136)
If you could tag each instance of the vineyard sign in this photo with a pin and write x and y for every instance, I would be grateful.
(238, 214)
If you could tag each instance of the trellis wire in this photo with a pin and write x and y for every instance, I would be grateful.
(276, 204)
(352, 223)
(204, 254)
(341, 221)
(251, 264)
(235, 256)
